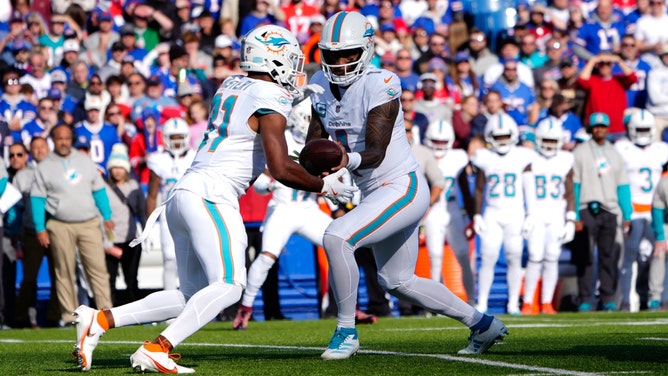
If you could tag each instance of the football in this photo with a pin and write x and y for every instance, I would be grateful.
(320, 156)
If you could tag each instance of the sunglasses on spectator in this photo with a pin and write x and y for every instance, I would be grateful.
(628, 44)
(403, 58)
(113, 113)
(95, 83)
(12, 155)
(46, 108)
(133, 83)
(554, 46)
(656, 3)
(604, 63)
(479, 38)
(405, 99)
(421, 33)
(512, 69)
(12, 81)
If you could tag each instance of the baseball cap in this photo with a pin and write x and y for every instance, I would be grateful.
(128, 59)
(58, 75)
(70, 45)
(318, 18)
(82, 143)
(223, 41)
(154, 80)
(388, 58)
(16, 17)
(428, 76)
(93, 102)
(54, 93)
(387, 26)
(599, 118)
(566, 62)
(104, 16)
(462, 56)
(437, 63)
(127, 29)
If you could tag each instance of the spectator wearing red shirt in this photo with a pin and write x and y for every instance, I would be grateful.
(607, 92)
(298, 18)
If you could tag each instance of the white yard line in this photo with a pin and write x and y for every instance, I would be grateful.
(463, 359)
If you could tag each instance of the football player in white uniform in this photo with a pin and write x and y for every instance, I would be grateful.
(166, 168)
(445, 219)
(554, 215)
(645, 160)
(360, 109)
(245, 134)
(505, 171)
(290, 211)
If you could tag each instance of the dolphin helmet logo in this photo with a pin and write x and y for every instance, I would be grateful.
(274, 41)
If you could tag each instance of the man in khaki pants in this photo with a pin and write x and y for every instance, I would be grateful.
(69, 188)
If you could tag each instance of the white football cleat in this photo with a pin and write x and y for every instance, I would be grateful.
(343, 345)
(480, 342)
(152, 358)
(88, 334)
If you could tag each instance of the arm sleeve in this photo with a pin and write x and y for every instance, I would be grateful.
(38, 208)
(529, 183)
(624, 201)
(102, 203)
(657, 222)
(576, 199)
(3, 185)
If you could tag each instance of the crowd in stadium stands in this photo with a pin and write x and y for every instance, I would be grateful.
(115, 71)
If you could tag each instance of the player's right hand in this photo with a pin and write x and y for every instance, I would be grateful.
(479, 224)
(335, 190)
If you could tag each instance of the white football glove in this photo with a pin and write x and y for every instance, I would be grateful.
(479, 225)
(527, 226)
(568, 233)
(335, 190)
(263, 184)
(306, 92)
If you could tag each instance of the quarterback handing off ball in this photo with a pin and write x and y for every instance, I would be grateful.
(320, 155)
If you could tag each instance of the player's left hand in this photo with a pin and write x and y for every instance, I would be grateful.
(335, 190)
(568, 233)
(527, 226)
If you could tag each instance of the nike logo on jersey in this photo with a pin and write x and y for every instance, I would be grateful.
(386, 80)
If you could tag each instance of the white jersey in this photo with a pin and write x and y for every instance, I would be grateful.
(504, 177)
(451, 165)
(550, 175)
(169, 169)
(345, 121)
(231, 154)
(643, 167)
(282, 194)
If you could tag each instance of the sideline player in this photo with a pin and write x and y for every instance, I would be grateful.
(166, 168)
(645, 160)
(290, 211)
(245, 134)
(554, 214)
(506, 172)
(360, 108)
(445, 218)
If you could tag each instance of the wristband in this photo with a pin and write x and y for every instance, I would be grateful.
(570, 216)
(354, 160)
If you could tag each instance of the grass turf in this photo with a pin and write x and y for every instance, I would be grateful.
(567, 344)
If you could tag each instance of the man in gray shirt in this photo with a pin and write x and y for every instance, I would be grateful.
(601, 191)
(69, 188)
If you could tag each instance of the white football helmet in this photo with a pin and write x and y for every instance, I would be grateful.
(641, 127)
(176, 136)
(501, 125)
(549, 129)
(439, 137)
(299, 120)
(273, 49)
(346, 31)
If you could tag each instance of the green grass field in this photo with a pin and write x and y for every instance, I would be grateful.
(565, 344)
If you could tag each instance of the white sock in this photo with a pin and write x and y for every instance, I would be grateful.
(257, 274)
(344, 277)
(159, 306)
(202, 307)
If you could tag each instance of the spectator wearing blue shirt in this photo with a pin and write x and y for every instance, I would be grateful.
(47, 118)
(260, 15)
(153, 98)
(14, 108)
(129, 40)
(636, 94)
(100, 135)
(404, 69)
(601, 33)
(518, 98)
